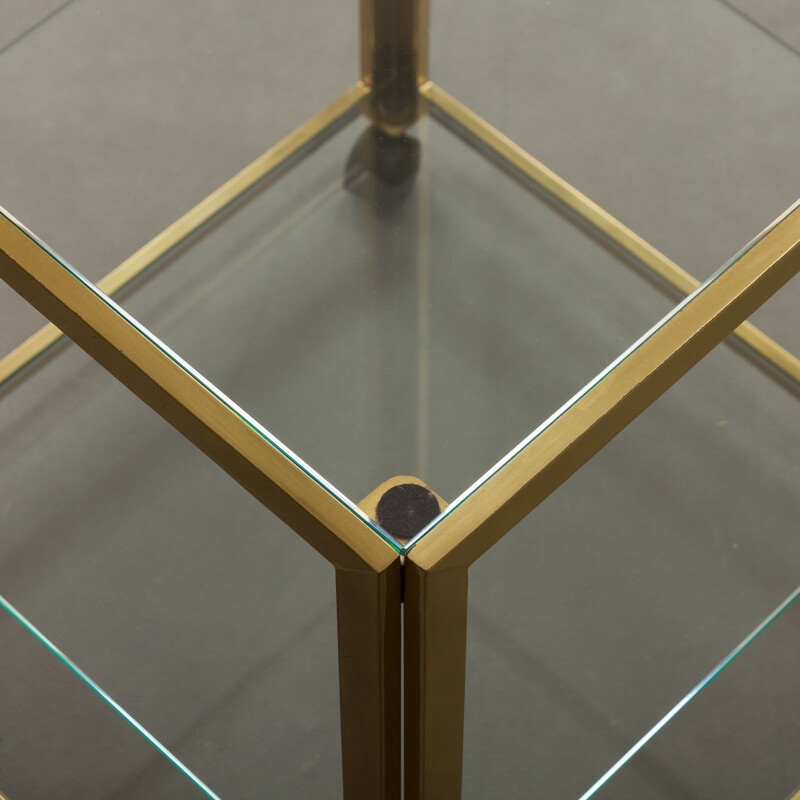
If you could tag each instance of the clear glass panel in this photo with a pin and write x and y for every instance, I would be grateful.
(403, 302)
(417, 329)
(736, 738)
(61, 738)
(599, 612)
(190, 604)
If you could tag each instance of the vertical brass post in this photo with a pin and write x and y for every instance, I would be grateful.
(435, 639)
(368, 612)
(394, 59)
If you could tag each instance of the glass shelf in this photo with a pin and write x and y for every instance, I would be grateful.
(195, 609)
(398, 307)
(599, 611)
(735, 735)
(63, 737)
(673, 118)
(382, 306)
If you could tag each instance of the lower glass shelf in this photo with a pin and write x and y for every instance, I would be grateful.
(735, 735)
(201, 614)
(62, 736)
(592, 618)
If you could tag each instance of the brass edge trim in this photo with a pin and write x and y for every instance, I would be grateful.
(600, 219)
(218, 428)
(635, 380)
(193, 219)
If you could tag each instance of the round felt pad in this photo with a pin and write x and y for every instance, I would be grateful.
(405, 510)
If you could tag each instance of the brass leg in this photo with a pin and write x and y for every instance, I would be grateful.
(435, 637)
(368, 611)
(394, 59)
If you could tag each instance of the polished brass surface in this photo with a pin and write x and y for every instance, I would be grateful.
(454, 111)
(435, 659)
(394, 59)
(435, 631)
(277, 156)
(635, 381)
(368, 614)
(223, 434)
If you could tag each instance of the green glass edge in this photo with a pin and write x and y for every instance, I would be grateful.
(188, 369)
(726, 662)
(137, 726)
(528, 440)
(35, 26)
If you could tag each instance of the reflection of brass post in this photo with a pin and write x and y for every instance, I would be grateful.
(368, 610)
(394, 59)
(435, 635)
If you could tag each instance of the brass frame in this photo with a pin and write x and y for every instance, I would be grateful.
(429, 575)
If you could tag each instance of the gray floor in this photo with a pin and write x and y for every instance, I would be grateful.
(587, 623)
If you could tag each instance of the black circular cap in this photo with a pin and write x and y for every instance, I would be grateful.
(404, 510)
